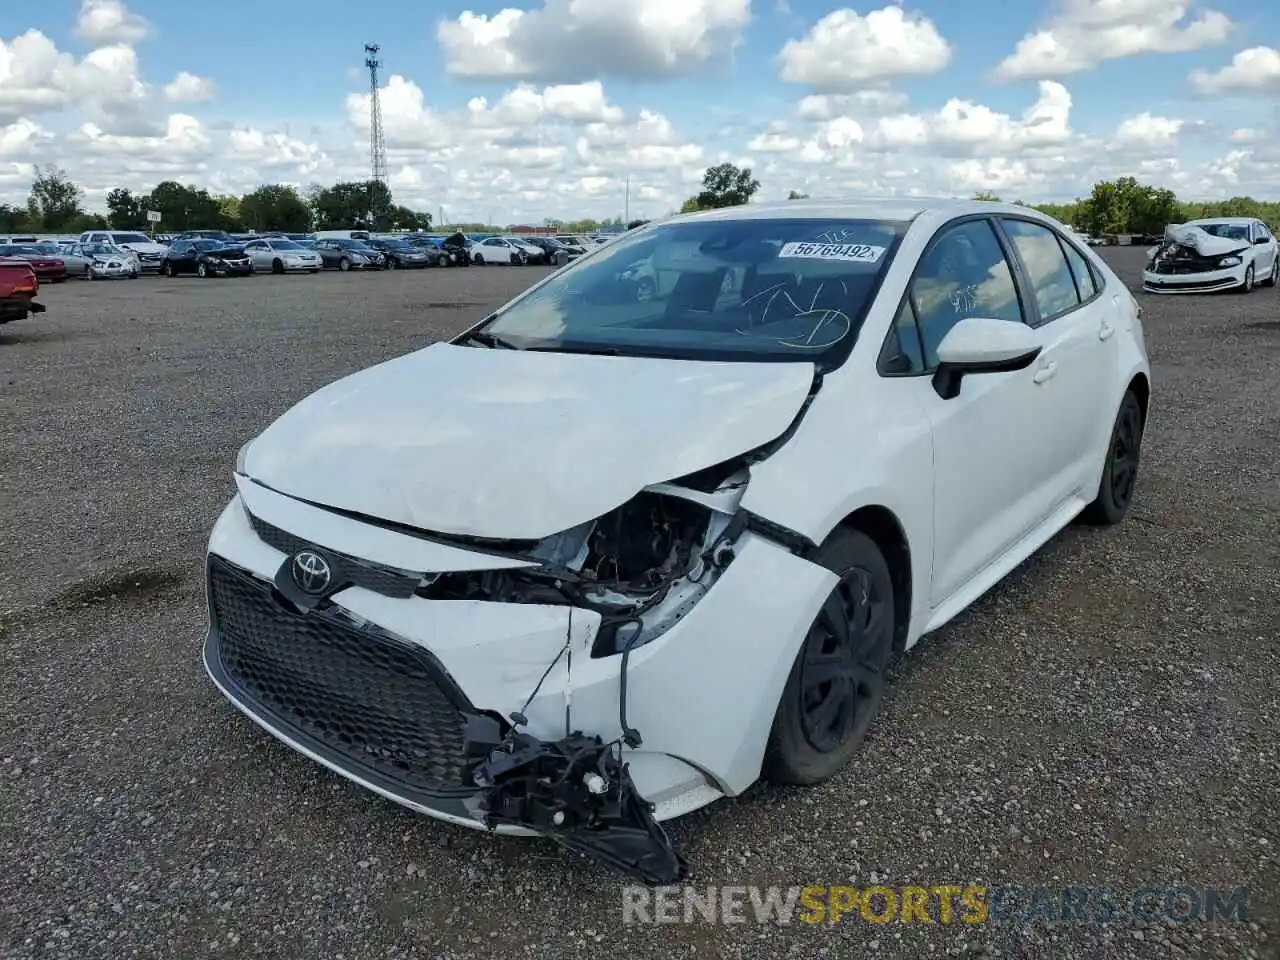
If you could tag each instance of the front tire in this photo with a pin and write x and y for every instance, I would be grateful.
(1120, 475)
(277, 266)
(1247, 286)
(202, 271)
(479, 260)
(838, 677)
(165, 269)
(344, 264)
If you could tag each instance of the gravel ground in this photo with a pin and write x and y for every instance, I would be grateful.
(1106, 716)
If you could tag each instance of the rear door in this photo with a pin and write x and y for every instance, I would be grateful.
(1077, 322)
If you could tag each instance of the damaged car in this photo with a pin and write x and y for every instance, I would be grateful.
(1207, 256)
(642, 537)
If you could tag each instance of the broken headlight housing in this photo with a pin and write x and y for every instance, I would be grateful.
(642, 566)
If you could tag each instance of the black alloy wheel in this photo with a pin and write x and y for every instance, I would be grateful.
(838, 678)
(1120, 474)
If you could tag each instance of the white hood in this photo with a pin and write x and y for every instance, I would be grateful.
(512, 444)
(1201, 241)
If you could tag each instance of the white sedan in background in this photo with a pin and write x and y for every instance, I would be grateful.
(100, 261)
(282, 255)
(1206, 256)
(610, 555)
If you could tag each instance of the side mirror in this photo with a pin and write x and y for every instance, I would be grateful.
(979, 345)
(1263, 240)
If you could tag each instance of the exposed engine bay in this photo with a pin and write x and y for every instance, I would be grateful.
(641, 566)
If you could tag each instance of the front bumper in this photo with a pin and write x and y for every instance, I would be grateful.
(702, 695)
(1209, 281)
(104, 272)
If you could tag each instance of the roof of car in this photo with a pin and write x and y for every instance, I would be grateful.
(870, 208)
(1230, 221)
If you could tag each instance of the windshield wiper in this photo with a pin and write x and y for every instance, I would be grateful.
(488, 340)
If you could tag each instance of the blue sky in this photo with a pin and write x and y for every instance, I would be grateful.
(280, 77)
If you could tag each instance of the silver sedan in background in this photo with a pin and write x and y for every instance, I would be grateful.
(99, 261)
(282, 255)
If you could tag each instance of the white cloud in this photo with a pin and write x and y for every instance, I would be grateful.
(1088, 32)
(1149, 132)
(1255, 71)
(825, 106)
(110, 21)
(36, 77)
(845, 50)
(524, 105)
(571, 40)
(188, 88)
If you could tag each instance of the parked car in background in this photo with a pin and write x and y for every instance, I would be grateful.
(282, 255)
(434, 248)
(554, 252)
(206, 258)
(341, 235)
(500, 250)
(398, 254)
(48, 267)
(149, 251)
(206, 235)
(19, 287)
(101, 261)
(1204, 256)
(341, 253)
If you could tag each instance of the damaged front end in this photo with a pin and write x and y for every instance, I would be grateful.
(577, 791)
(1192, 260)
(642, 567)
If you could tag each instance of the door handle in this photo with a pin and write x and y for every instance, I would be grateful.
(1046, 372)
(1106, 330)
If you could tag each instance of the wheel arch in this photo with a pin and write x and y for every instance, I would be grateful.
(885, 529)
(1141, 388)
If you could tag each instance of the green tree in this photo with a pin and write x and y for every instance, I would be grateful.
(56, 201)
(724, 185)
(986, 197)
(124, 210)
(402, 218)
(14, 219)
(797, 195)
(186, 208)
(351, 204)
(274, 207)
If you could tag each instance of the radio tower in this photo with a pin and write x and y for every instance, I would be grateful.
(377, 143)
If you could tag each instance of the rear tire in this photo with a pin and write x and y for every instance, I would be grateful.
(838, 677)
(1274, 276)
(1120, 474)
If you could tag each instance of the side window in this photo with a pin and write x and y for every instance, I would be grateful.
(1038, 247)
(1085, 282)
(964, 274)
(902, 352)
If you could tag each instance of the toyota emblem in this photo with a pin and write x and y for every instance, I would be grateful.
(311, 572)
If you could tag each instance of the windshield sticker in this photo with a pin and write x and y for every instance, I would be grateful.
(848, 252)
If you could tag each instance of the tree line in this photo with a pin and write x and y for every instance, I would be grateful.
(56, 205)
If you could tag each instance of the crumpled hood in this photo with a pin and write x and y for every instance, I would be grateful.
(1203, 242)
(512, 444)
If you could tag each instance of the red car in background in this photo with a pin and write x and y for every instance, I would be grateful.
(48, 266)
(18, 288)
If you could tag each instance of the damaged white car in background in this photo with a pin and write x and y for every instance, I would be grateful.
(643, 536)
(1205, 256)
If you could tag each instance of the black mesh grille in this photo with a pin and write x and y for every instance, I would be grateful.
(351, 571)
(375, 701)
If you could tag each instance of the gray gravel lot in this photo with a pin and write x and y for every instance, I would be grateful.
(1106, 716)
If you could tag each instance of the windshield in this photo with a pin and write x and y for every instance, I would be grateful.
(102, 250)
(49, 249)
(204, 246)
(355, 245)
(285, 245)
(749, 289)
(1227, 231)
(130, 238)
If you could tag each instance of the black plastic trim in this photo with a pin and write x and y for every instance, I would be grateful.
(447, 803)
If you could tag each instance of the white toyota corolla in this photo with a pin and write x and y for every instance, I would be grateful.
(612, 554)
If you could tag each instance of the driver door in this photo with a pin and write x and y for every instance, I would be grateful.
(991, 441)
